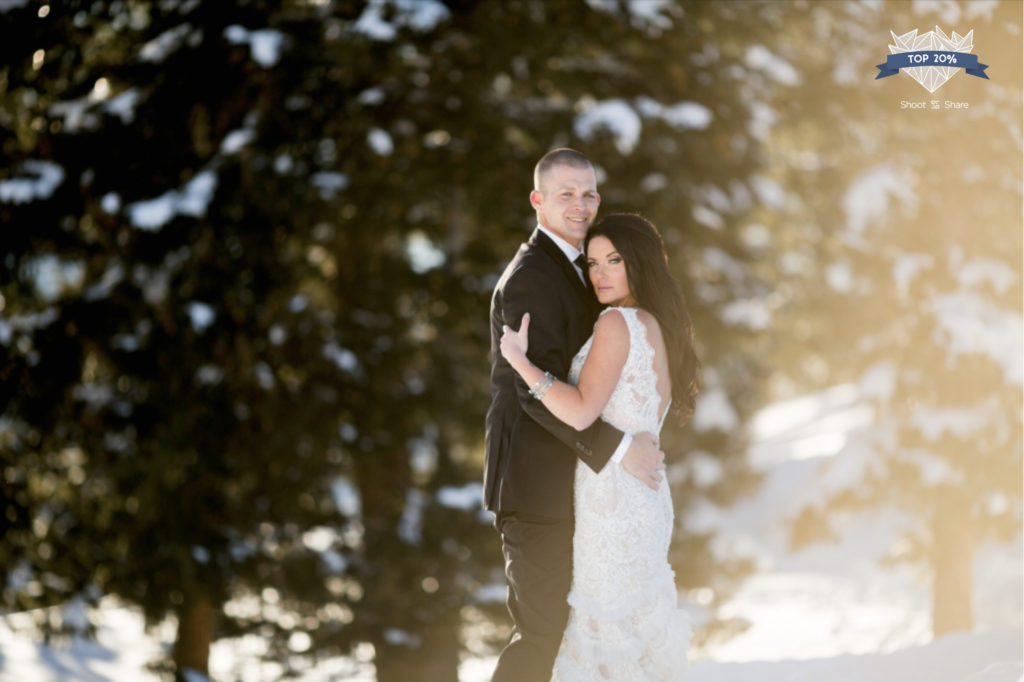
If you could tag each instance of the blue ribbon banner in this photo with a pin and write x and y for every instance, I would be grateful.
(904, 60)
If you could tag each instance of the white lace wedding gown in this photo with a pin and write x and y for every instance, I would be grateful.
(625, 625)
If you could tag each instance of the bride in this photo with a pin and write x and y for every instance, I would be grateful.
(624, 623)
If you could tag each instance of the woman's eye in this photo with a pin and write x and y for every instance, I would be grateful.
(613, 261)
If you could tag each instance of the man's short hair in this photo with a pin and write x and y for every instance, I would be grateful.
(561, 156)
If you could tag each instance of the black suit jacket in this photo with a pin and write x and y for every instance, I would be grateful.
(530, 454)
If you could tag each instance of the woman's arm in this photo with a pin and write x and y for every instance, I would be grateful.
(578, 406)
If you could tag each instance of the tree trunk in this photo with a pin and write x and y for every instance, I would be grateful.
(195, 632)
(435, 659)
(433, 653)
(952, 559)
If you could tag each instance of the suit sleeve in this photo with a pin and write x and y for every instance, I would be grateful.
(530, 291)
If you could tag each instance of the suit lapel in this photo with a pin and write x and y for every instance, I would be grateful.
(551, 249)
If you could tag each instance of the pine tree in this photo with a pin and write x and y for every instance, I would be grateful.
(920, 286)
(249, 250)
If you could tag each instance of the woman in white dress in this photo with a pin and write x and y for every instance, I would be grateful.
(624, 623)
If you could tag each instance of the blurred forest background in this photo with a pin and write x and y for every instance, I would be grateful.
(247, 250)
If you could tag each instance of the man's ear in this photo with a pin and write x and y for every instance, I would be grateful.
(536, 198)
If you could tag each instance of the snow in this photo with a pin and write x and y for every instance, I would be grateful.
(623, 120)
(936, 423)
(52, 277)
(112, 276)
(761, 58)
(123, 105)
(122, 648)
(950, 12)
(264, 44)
(343, 358)
(44, 178)
(81, 113)
(200, 554)
(830, 601)
(973, 324)
(980, 270)
(682, 115)
(158, 49)
(371, 96)
(329, 183)
(707, 217)
(829, 612)
(152, 214)
(283, 164)
(423, 255)
(380, 142)
(120, 652)
(346, 497)
(235, 140)
(839, 276)
(703, 468)
(320, 539)
(990, 657)
(8, 5)
(906, 267)
(752, 313)
(191, 675)
(769, 192)
(762, 118)
(867, 199)
(27, 322)
(419, 15)
(348, 432)
(468, 497)
(722, 262)
(613, 115)
(645, 13)
(878, 380)
(201, 315)
(410, 525)
(713, 409)
(111, 203)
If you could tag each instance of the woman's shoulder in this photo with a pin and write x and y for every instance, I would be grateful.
(611, 334)
(627, 314)
(627, 319)
(612, 324)
(612, 318)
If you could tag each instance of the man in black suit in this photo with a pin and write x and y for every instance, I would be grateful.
(530, 455)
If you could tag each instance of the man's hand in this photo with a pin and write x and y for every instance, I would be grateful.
(644, 460)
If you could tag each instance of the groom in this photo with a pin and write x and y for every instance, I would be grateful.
(531, 455)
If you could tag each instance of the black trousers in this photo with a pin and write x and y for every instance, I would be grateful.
(538, 565)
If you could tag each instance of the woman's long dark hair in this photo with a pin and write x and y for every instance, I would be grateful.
(657, 292)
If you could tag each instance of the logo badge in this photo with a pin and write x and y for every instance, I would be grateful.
(931, 58)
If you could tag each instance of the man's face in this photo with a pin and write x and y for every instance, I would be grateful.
(567, 201)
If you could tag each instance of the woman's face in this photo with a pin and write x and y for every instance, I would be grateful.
(607, 273)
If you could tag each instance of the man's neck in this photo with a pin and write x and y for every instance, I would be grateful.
(568, 249)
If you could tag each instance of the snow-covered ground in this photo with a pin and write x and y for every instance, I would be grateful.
(828, 613)
(122, 650)
(835, 601)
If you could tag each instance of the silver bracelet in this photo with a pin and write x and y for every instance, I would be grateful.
(548, 380)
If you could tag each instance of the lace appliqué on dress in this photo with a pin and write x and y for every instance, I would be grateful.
(625, 625)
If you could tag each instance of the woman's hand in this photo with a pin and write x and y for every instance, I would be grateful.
(514, 344)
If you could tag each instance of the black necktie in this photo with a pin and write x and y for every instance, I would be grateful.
(581, 261)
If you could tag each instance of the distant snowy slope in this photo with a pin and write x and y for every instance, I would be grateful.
(990, 657)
